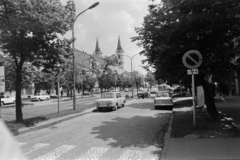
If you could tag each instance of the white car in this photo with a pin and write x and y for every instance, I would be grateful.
(111, 100)
(6, 99)
(40, 97)
(163, 98)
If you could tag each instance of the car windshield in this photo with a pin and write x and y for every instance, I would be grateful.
(107, 95)
(163, 94)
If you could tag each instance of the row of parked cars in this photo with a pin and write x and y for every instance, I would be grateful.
(7, 99)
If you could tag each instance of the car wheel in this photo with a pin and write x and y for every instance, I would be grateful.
(2, 103)
(99, 109)
(39, 99)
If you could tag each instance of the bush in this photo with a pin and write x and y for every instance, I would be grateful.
(127, 96)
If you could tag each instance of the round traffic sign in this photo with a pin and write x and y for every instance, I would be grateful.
(192, 59)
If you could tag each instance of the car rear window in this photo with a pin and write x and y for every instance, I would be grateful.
(163, 94)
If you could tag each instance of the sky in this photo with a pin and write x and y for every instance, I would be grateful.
(107, 21)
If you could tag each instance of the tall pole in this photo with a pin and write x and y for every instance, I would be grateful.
(131, 58)
(74, 88)
(58, 93)
(73, 50)
(131, 77)
(83, 75)
(194, 105)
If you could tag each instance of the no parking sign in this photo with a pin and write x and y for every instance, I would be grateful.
(192, 59)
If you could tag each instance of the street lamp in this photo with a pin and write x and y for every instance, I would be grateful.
(81, 65)
(131, 68)
(74, 20)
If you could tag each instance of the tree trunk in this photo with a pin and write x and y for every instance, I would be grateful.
(19, 115)
(209, 99)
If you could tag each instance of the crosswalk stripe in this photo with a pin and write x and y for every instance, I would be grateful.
(131, 155)
(34, 148)
(56, 152)
(93, 154)
(20, 143)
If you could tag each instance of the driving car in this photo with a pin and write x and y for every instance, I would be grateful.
(163, 98)
(40, 97)
(6, 99)
(110, 100)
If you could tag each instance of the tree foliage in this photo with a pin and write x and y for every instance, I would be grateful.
(29, 33)
(176, 26)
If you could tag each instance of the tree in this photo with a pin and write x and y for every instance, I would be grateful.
(29, 34)
(150, 78)
(104, 72)
(176, 26)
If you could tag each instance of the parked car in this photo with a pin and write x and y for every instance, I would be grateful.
(143, 93)
(111, 100)
(6, 99)
(40, 97)
(152, 94)
(163, 98)
(180, 92)
(126, 90)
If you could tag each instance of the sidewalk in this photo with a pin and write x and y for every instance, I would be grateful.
(205, 148)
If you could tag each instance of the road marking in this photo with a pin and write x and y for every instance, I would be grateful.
(56, 153)
(21, 143)
(34, 148)
(131, 155)
(93, 154)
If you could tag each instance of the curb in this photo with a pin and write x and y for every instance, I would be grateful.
(166, 139)
(34, 128)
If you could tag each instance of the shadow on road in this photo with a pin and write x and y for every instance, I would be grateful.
(137, 131)
(182, 102)
(142, 105)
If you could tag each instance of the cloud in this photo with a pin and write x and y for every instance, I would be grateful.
(107, 21)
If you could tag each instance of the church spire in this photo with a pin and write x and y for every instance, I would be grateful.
(97, 49)
(119, 47)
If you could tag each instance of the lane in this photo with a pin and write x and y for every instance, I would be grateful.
(46, 107)
(133, 132)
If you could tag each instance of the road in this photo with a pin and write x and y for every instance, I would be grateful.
(49, 107)
(130, 133)
(45, 107)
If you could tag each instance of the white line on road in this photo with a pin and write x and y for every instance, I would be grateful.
(93, 154)
(56, 153)
(131, 155)
(34, 148)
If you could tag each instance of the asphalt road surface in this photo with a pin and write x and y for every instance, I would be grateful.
(130, 133)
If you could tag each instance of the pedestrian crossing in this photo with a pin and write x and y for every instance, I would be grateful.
(46, 151)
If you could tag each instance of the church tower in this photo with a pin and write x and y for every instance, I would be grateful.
(97, 50)
(119, 54)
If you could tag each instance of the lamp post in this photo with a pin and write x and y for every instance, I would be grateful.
(131, 68)
(82, 80)
(74, 20)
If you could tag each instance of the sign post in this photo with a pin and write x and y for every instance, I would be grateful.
(192, 59)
